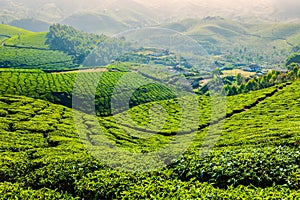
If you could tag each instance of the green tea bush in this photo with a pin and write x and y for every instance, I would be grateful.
(15, 191)
(60, 175)
(13, 57)
(42, 156)
(58, 88)
(251, 166)
(151, 188)
(105, 184)
(112, 184)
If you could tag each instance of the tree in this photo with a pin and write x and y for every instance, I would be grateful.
(239, 79)
(72, 41)
(217, 73)
(294, 58)
(296, 48)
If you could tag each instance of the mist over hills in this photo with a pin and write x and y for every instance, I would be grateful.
(132, 13)
(96, 23)
(215, 23)
(114, 16)
(31, 25)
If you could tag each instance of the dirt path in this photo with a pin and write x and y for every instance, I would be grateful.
(288, 43)
(227, 116)
(83, 71)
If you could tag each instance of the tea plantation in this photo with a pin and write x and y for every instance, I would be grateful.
(120, 134)
(24, 49)
(33, 40)
(257, 155)
(58, 88)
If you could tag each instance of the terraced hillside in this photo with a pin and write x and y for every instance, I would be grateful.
(59, 88)
(27, 50)
(128, 133)
(256, 156)
(33, 40)
(9, 31)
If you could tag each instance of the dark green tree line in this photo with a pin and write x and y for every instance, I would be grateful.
(71, 41)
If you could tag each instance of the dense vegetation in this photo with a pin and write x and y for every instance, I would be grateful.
(294, 58)
(244, 145)
(47, 155)
(271, 79)
(14, 57)
(72, 41)
(27, 50)
(58, 88)
(33, 40)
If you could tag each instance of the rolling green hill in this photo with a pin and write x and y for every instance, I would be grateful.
(279, 30)
(240, 42)
(47, 154)
(125, 134)
(59, 88)
(220, 23)
(263, 43)
(9, 31)
(36, 40)
(27, 50)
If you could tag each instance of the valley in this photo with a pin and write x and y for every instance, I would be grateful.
(202, 108)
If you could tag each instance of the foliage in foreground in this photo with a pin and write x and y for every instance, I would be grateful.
(41, 153)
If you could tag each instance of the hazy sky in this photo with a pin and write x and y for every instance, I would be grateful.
(172, 8)
(284, 4)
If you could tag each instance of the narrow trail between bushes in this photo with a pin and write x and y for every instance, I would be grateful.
(24, 47)
(248, 107)
(214, 122)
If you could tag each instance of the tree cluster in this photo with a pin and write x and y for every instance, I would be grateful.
(71, 41)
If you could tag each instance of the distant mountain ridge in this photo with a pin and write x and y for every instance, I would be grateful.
(140, 12)
(31, 25)
(94, 23)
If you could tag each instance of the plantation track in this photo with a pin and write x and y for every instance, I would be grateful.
(90, 70)
(214, 122)
(246, 108)
(60, 62)
(24, 47)
(3, 43)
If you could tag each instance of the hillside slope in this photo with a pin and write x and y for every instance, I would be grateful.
(36, 40)
(93, 23)
(139, 12)
(31, 24)
(9, 31)
(42, 150)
